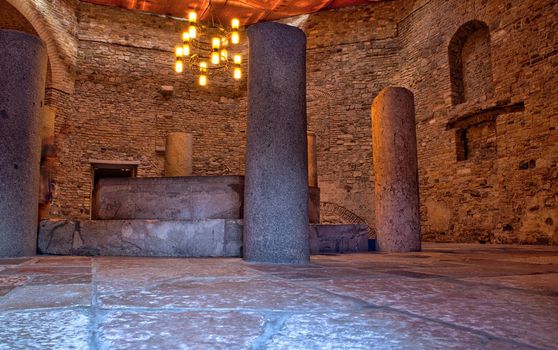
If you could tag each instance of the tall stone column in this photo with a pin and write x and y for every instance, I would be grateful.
(276, 183)
(23, 66)
(178, 154)
(394, 153)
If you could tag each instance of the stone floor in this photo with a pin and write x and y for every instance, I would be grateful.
(446, 297)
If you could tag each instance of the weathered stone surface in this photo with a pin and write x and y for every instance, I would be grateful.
(276, 188)
(368, 329)
(47, 296)
(209, 330)
(314, 205)
(49, 329)
(176, 198)
(141, 238)
(396, 171)
(338, 238)
(23, 67)
(312, 160)
(221, 238)
(178, 154)
(357, 301)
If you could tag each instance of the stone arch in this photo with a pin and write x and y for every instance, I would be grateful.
(59, 76)
(470, 63)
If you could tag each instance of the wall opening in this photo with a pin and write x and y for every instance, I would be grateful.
(470, 62)
(110, 169)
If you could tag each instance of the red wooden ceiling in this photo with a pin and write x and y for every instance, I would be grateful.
(249, 11)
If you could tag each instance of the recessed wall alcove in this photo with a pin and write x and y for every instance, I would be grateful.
(470, 63)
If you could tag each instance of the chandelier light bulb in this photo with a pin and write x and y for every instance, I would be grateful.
(235, 23)
(192, 32)
(179, 51)
(179, 66)
(203, 66)
(192, 16)
(237, 73)
(186, 50)
(203, 80)
(237, 59)
(185, 37)
(215, 43)
(235, 37)
(215, 59)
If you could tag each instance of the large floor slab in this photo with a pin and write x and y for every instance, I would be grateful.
(446, 297)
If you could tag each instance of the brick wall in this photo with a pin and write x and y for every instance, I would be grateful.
(507, 190)
(487, 162)
(352, 54)
(120, 114)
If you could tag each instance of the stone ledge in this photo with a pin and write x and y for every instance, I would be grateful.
(203, 238)
(179, 238)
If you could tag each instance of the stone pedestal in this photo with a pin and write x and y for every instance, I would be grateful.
(23, 66)
(178, 154)
(276, 183)
(394, 153)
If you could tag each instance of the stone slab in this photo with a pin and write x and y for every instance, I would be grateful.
(349, 238)
(178, 238)
(202, 238)
(171, 198)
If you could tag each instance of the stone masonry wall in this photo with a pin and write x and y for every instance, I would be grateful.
(352, 54)
(507, 189)
(119, 113)
(487, 165)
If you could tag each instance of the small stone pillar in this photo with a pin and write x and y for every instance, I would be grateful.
(178, 154)
(23, 67)
(313, 189)
(276, 181)
(48, 160)
(394, 154)
(312, 160)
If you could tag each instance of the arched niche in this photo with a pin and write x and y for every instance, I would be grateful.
(470, 63)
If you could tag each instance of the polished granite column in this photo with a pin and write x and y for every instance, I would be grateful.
(394, 153)
(23, 67)
(276, 187)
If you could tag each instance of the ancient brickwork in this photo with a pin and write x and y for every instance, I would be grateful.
(352, 54)
(483, 74)
(120, 113)
(506, 188)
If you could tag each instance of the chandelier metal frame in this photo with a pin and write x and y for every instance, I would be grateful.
(206, 47)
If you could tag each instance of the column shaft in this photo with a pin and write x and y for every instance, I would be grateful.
(23, 65)
(178, 154)
(394, 153)
(276, 184)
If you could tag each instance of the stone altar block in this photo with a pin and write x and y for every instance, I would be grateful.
(169, 198)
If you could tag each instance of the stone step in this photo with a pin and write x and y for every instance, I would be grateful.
(201, 238)
(178, 238)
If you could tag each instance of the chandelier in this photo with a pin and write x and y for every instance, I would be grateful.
(206, 47)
